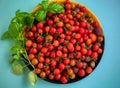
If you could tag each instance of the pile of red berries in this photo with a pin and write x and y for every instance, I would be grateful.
(65, 46)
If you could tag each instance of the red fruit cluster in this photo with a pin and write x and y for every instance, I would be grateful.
(64, 45)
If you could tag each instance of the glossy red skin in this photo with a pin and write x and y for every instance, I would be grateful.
(64, 80)
(40, 25)
(61, 66)
(81, 73)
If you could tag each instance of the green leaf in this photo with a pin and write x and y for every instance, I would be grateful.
(5, 35)
(40, 15)
(13, 30)
(28, 20)
(55, 8)
(32, 78)
(17, 69)
(44, 4)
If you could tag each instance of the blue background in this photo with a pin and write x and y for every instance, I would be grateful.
(106, 75)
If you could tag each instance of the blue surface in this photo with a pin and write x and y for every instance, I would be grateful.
(106, 75)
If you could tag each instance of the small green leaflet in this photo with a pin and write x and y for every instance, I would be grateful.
(5, 35)
(17, 69)
(40, 15)
(32, 78)
(44, 4)
(55, 8)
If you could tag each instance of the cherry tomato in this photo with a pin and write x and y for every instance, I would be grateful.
(37, 70)
(49, 38)
(47, 72)
(44, 50)
(100, 51)
(34, 61)
(50, 22)
(31, 56)
(34, 28)
(66, 61)
(40, 65)
(47, 28)
(51, 76)
(33, 50)
(42, 74)
(77, 47)
(52, 31)
(39, 39)
(72, 76)
(56, 71)
(56, 43)
(80, 65)
(60, 24)
(93, 37)
(70, 71)
(50, 47)
(95, 47)
(41, 59)
(81, 72)
(30, 34)
(88, 70)
(53, 63)
(72, 62)
(57, 77)
(64, 79)
(61, 66)
(28, 43)
(58, 53)
(94, 55)
(52, 55)
(40, 25)
(84, 51)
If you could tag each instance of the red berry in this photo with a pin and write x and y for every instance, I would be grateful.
(51, 76)
(95, 47)
(50, 47)
(50, 22)
(30, 34)
(64, 80)
(83, 9)
(81, 72)
(52, 55)
(39, 39)
(95, 25)
(33, 50)
(44, 50)
(66, 61)
(82, 24)
(57, 77)
(40, 25)
(41, 59)
(61, 66)
(60, 24)
(53, 63)
(34, 28)
(89, 52)
(94, 55)
(70, 47)
(80, 65)
(52, 31)
(60, 30)
(88, 70)
(58, 53)
(56, 71)
(81, 30)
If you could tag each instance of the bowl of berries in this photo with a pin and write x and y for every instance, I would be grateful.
(60, 41)
(66, 46)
